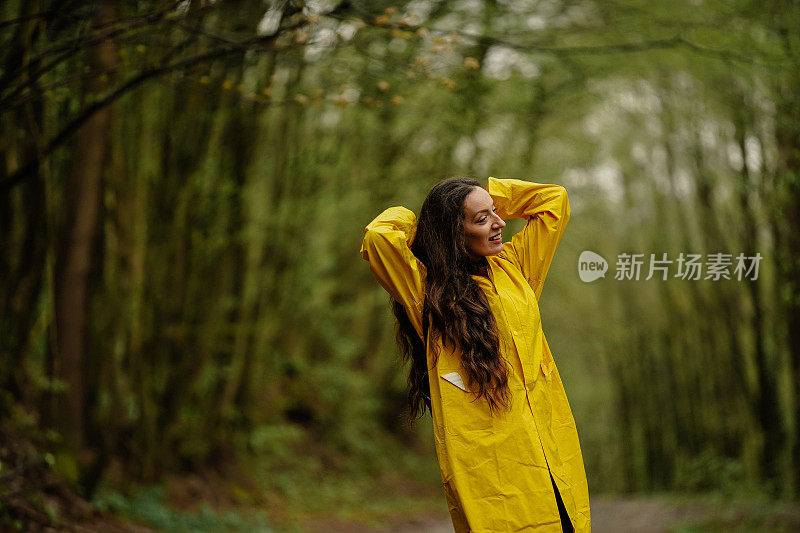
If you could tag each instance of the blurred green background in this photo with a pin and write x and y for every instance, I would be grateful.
(184, 188)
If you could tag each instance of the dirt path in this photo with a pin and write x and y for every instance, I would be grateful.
(640, 516)
(608, 516)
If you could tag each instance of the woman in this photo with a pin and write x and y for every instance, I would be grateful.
(466, 305)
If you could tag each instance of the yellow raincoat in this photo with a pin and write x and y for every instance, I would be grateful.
(495, 468)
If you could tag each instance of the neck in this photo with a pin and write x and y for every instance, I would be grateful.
(477, 264)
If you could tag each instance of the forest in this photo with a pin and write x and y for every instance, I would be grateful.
(185, 318)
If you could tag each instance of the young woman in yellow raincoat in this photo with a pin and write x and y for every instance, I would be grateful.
(466, 305)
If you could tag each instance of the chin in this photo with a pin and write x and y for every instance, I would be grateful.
(496, 251)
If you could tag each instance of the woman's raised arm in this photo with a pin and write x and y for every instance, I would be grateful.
(547, 209)
(386, 246)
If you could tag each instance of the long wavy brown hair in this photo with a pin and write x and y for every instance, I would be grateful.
(454, 304)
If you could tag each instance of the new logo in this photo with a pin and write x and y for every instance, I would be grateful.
(591, 266)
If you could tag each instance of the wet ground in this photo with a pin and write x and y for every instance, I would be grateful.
(630, 515)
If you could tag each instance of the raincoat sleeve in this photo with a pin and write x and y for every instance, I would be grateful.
(546, 207)
(386, 246)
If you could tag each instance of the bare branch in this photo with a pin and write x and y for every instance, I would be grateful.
(87, 112)
(604, 49)
(34, 16)
(65, 50)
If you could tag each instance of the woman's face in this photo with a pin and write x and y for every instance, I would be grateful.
(482, 226)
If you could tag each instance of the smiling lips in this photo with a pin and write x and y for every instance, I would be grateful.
(495, 238)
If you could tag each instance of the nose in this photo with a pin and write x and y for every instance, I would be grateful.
(499, 222)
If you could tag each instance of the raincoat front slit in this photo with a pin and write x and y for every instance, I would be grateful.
(497, 471)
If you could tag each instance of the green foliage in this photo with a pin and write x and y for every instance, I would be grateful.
(367, 487)
(741, 515)
(275, 441)
(146, 506)
(707, 472)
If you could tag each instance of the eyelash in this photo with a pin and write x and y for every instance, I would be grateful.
(481, 221)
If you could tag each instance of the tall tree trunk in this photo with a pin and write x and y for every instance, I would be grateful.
(767, 403)
(788, 138)
(74, 258)
(23, 242)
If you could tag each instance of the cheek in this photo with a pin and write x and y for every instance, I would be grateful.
(475, 239)
(470, 239)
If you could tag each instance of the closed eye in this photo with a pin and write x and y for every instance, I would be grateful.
(483, 219)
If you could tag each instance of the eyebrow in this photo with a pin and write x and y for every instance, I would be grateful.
(481, 211)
